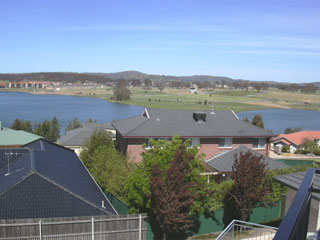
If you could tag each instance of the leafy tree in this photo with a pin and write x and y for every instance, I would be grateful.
(246, 119)
(107, 165)
(290, 130)
(73, 124)
(258, 121)
(250, 184)
(110, 169)
(163, 152)
(135, 82)
(161, 85)
(19, 124)
(97, 139)
(147, 83)
(171, 195)
(122, 94)
(91, 120)
(48, 129)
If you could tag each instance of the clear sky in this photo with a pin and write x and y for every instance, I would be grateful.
(256, 40)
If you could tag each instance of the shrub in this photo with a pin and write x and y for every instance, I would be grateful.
(285, 149)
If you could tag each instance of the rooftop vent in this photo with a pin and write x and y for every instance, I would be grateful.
(199, 116)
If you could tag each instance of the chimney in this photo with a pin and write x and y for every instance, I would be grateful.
(199, 116)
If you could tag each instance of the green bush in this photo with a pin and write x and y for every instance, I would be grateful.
(316, 152)
(285, 149)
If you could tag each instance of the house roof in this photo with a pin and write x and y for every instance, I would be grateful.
(10, 137)
(298, 138)
(54, 164)
(79, 136)
(167, 123)
(294, 180)
(224, 161)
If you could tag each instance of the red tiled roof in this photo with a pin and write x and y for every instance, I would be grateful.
(298, 137)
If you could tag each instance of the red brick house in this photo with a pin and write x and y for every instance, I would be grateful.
(215, 132)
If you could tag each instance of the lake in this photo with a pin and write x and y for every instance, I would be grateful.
(278, 120)
(44, 107)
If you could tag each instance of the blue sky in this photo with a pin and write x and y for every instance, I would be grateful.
(254, 40)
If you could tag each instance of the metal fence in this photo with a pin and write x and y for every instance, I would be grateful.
(81, 228)
(247, 231)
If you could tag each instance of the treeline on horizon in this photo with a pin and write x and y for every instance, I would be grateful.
(137, 79)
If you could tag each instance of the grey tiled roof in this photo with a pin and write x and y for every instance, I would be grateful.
(223, 162)
(60, 171)
(294, 180)
(167, 123)
(79, 136)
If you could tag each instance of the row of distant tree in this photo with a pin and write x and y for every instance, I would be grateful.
(242, 85)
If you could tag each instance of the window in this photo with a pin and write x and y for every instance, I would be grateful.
(259, 143)
(225, 142)
(195, 141)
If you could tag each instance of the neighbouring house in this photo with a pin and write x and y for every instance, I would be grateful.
(45, 180)
(214, 131)
(220, 166)
(10, 138)
(294, 140)
(293, 181)
(75, 139)
(193, 90)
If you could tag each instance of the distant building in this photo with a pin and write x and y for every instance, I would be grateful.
(295, 140)
(75, 139)
(15, 138)
(193, 90)
(46, 180)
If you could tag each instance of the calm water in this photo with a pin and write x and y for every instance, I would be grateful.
(44, 107)
(278, 120)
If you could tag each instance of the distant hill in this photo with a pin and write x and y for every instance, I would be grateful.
(128, 75)
(68, 77)
(72, 77)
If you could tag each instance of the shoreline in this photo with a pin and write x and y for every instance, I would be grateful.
(177, 99)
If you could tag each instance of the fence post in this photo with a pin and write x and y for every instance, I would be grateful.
(92, 227)
(140, 226)
(40, 230)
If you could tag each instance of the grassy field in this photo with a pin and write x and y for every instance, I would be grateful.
(220, 99)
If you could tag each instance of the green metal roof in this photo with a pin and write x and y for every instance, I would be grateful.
(10, 137)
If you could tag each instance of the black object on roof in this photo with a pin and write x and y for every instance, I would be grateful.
(224, 161)
(294, 180)
(185, 123)
(45, 180)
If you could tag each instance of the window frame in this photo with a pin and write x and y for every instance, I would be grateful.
(225, 143)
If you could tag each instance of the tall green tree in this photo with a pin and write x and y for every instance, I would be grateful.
(107, 165)
(258, 121)
(162, 154)
(50, 130)
(73, 124)
(24, 125)
(96, 140)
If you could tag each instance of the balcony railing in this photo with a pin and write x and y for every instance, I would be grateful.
(295, 224)
(245, 230)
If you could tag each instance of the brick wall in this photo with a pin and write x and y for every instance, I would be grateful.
(209, 147)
